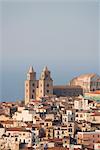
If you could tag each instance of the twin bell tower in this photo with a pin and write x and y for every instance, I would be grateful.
(36, 89)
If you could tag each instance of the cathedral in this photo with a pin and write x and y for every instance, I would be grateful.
(35, 89)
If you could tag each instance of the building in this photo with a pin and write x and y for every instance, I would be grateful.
(20, 134)
(84, 115)
(67, 90)
(25, 116)
(69, 116)
(89, 82)
(80, 103)
(35, 89)
(65, 130)
(50, 133)
(88, 139)
(95, 118)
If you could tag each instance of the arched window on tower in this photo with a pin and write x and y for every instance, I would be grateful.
(47, 85)
(47, 91)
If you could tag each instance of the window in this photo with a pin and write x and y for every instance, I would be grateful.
(33, 84)
(49, 135)
(47, 85)
(81, 116)
(47, 76)
(33, 91)
(70, 130)
(70, 125)
(71, 119)
(47, 91)
(32, 96)
(9, 134)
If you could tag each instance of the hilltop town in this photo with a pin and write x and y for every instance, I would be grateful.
(53, 117)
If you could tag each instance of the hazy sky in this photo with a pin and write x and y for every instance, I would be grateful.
(62, 35)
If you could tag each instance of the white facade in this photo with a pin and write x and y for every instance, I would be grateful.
(81, 104)
(9, 143)
(60, 132)
(50, 116)
(68, 117)
(96, 146)
(24, 116)
(83, 116)
(20, 135)
(2, 131)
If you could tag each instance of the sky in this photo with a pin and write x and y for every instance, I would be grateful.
(63, 35)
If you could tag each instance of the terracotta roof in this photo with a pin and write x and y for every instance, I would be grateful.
(62, 148)
(35, 101)
(83, 111)
(96, 114)
(55, 140)
(36, 126)
(21, 129)
(29, 125)
(95, 92)
(3, 114)
(44, 107)
(7, 122)
(58, 148)
(48, 119)
(27, 148)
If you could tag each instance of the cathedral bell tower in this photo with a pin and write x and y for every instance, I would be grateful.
(30, 86)
(45, 83)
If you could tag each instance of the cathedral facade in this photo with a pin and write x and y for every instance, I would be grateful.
(35, 89)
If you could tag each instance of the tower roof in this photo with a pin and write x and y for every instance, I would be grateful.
(45, 69)
(31, 70)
